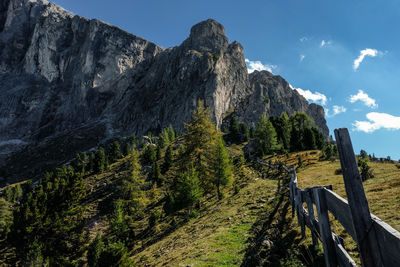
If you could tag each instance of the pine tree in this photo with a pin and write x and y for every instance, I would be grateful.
(222, 166)
(81, 159)
(156, 173)
(99, 161)
(168, 160)
(149, 155)
(164, 138)
(265, 136)
(115, 152)
(171, 134)
(319, 138)
(309, 139)
(187, 191)
(282, 127)
(158, 153)
(131, 188)
(299, 122)
(118, 224)
(199, 139)
(92, 159)
(127, 149)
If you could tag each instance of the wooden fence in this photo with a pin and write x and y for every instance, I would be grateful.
(377, 242)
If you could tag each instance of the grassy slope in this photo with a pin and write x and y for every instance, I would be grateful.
(237, 229)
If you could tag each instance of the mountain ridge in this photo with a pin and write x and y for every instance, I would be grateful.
(69, 84)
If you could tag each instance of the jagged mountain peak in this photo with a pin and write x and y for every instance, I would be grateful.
(68, 84)
(208, 36)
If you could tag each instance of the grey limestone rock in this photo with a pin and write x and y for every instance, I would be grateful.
(68, 83)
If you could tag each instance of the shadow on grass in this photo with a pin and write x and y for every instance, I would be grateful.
(273, 240)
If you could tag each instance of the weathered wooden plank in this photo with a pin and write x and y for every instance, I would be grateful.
(299, 205)
(340, 208)
(324, 227)
(366, 238)
(389, 241)
(310, 208)
(343, 257)
(312, 224)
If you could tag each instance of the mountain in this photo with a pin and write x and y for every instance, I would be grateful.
(68, 83)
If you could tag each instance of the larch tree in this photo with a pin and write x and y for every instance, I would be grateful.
(222, 166)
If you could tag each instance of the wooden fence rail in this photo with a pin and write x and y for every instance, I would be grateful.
(377, 242)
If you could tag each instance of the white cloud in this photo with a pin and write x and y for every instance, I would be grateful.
(257, 65)
(363, 97)
(310, 96)
(302, 57)
(378, 121)
(336, 110)
(303, 39)
(325, 43)
(366, 52)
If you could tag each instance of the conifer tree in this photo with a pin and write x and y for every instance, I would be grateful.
(164, 138)
(92, 159)
(171, 134)
(168, 160)
(265, 136)
(99, 161)
(115, 152)
(158, 153)
(187, 191)
(199, 140)
(156, 173)
(131, 187)
(309, 139)
(127, 149)
(222, 166)
(149, 155)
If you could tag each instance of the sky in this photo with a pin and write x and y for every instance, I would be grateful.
(342, 54)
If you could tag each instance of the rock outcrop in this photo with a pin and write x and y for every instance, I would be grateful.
(68, 83)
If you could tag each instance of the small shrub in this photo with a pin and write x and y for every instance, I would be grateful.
(365, 169)
(338, 171)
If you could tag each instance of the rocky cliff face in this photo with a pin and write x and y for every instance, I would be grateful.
(68, 83)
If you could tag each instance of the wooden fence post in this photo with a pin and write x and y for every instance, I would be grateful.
(310, 209)
(324, 227)
(366, 237)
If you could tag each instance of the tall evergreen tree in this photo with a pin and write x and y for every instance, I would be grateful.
(222, 166)
(282, 127)
(149, 155)
(127, 149)
(99, 161)
(309, 139)
(199, 140)
(114, 151)
(187, 191)
(168, 160)
(156, 173)
(131, 187)
(158, 153)
(92, 159)
(265, 136)
(171, 133)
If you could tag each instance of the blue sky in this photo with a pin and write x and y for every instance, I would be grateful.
(345, 53)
